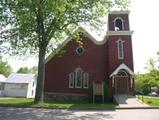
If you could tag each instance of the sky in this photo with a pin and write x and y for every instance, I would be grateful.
(144, 21)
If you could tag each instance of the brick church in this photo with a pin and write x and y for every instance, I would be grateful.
(109, 61)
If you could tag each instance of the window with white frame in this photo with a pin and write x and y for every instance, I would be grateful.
(85, 80)
(120, 47)
(71, 80)
(80, 50)
(78, 79)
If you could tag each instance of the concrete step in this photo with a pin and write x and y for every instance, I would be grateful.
(128, 101)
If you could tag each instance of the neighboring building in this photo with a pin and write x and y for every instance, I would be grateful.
(20, 85)
(109, 61)
(2, 79)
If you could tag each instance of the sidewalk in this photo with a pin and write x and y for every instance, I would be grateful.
(128, 101)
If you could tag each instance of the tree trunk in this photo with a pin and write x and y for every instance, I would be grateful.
(39, 96)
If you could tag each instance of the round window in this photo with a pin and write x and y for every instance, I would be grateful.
(80, 50)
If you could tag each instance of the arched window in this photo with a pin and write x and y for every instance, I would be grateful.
(78, 79)
(85, 80)
(120, 47)
(122, 73)
(118, 24)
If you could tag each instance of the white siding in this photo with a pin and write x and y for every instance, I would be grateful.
(31, 88)
(1, 89)
(15, 89)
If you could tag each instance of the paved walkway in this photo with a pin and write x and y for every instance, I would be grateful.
(7, 113)
(128, 101)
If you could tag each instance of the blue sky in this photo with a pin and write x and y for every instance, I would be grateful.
(144, 21)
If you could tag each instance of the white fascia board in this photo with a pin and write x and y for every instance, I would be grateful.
(62, 45)
(94, 40)
(68, 39)
(115, 33)
(122, 66)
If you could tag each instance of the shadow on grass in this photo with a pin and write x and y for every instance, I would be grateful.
(23, 102)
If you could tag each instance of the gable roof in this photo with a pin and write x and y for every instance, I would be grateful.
(20, 78)
(68, 39)
(2, 78)
(122, 66)
(95, 41)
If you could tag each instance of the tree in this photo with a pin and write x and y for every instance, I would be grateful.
(27, 70)
(23, 70)
(151, 65)
(5, 68)
(34, 69)
(31, 25)
(144, 82)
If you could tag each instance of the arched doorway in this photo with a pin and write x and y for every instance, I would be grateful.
(121, 82)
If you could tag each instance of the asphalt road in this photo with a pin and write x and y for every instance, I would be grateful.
(52, 114)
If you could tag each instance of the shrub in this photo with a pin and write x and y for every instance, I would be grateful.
(107, 97)
(90, 93)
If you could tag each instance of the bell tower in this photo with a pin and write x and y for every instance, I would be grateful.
(120, 55)
(118, 21)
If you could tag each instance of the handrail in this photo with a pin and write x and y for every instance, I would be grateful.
(137, 92)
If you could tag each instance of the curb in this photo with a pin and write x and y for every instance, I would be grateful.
(117, 108)
(138, 108)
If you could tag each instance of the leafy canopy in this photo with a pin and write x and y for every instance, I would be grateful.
(26, 22)
(27, 70)
(145, 81)
(5, 68)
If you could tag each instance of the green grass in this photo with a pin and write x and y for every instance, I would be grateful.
(23, 102)
(16, 102)
(151, 101)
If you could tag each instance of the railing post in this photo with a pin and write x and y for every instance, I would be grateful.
(142, 98)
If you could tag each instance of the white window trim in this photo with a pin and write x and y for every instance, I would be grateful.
(85, 79)
(70, 80)
(122, 48)
(76, 72)
(83, 50)
(121, 20)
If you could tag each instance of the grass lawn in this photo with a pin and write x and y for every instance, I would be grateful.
(152, 101)
(23, 102)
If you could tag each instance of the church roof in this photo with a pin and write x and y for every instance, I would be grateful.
(91, 37)
(87, 34)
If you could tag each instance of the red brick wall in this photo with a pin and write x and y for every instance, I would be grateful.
(111, 18)
(93, 61)
(113, 61)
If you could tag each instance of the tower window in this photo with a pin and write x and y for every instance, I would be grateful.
(120, 47)
(118, 24)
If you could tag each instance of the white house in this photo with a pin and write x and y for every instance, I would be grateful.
(2, 79)
(20, 85)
